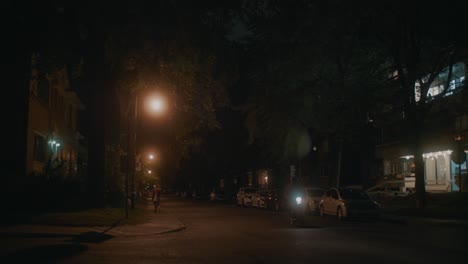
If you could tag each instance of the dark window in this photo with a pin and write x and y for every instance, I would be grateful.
(324, 171)
(39, 148)
(43, 89)
(123, 163)
(70, 116)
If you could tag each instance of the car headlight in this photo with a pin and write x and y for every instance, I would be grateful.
(299, 200)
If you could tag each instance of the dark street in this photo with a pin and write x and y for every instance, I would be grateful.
(344, 109)
(225, 233)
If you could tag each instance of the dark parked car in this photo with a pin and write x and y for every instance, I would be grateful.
(219, 195)
(258, 199)
(275, 200)
(244, 196)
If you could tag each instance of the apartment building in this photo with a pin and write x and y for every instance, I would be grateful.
(53, 139)
(444, 138)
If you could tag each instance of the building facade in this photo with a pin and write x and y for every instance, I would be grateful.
(444, 139)
(53, 139)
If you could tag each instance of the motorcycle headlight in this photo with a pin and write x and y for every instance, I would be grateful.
(299, 200)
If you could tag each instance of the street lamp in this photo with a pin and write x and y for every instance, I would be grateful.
(156, 105)
(151, 156)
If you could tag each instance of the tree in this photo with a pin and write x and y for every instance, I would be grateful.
(313, 72)
(175, 47)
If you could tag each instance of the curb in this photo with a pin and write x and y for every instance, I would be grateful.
(115, 224)
(439, 222)
(423, 221)
(157, 233)
(181, 227)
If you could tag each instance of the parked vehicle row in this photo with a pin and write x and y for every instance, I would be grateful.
(338, 202)
(272, 199)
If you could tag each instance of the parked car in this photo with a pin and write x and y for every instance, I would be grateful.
(312, 199)
(348, 202)
(275, 200)
(258, 198)
(244, 195)
(217, 195)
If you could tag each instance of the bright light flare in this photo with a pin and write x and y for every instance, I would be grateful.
(156, 104)
(298, 200)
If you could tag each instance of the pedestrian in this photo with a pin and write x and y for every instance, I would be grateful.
(156, 198)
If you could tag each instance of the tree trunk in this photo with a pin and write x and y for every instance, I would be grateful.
(416, 141)
(95, 181)
(420, 184)
(338, 165)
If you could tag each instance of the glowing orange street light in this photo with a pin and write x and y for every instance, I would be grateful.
(156, 104)
(151, 156)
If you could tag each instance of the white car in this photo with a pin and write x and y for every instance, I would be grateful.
(348, 202)
(258, 198)
(244, 195)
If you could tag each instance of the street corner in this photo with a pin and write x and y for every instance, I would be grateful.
(160, 224)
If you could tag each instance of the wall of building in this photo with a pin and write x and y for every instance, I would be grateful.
(53, 116)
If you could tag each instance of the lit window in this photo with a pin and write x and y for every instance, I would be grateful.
(457, 81)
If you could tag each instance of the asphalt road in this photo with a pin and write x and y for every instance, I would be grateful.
(221, 233)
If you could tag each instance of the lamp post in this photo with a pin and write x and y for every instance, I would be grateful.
(156, 104)
(134, 149)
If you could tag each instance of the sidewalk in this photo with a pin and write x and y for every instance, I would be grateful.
(159, 223)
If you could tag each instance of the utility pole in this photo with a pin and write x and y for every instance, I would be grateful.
(459, 138)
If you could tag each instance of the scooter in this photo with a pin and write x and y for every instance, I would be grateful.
(297, 211)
